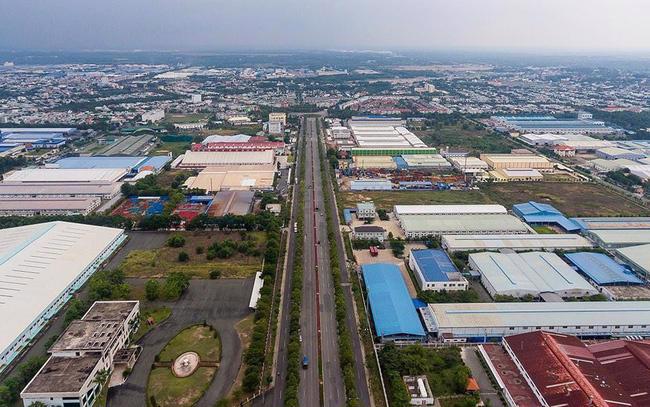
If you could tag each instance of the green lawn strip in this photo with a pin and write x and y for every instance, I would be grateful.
(168, 390)
(158, 315)
(198, 338)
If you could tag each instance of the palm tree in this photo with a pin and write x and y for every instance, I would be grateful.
(101, 377)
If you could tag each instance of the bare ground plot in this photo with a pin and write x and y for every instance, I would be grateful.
(573, 199)
(467, 136)
(158, 262)
(630, 292)
(138, 241)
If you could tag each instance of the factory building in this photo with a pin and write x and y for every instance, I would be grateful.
(233, 177)
(278, 117)
(376, 184)
(62, 176)
(369, 232)
(521, 242)
(133, 165)
(468, 164)
(37, 137)
(616, 238)
(530, 273)
(638, 257)
(58, 190)
(429, 210)
(545, 125)
(435, 271)
(366, 210)
(602, 269)
(239, 142)
(613, 153)
(561, 370)
(483, 322)
(87, 347)
(603, 165)
(51, 261)
(48, 206)
(202, 159)
(516, 175)
(433, 162)
(535, 213)
(393, 313)
(622, 223)
(517, 161)
(418, 226)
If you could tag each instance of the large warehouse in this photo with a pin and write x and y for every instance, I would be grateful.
(62, 176)
(482, 322)
(48, 206)
(535, 213)
(419, 226)
(41, 266)
(202, 159)
(615, 238)
(622, 223)
(602, 269)
(58, 190)
(392, 309)
(426, 210)
(638, 257)
(435, 271)
(521, 242)
(510, 161)
(530, 273)
(561, 370)
(233, 177)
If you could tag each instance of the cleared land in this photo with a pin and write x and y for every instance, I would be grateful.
(186, 118)
(467, 136)
(169, 390)
(158, 262)
(176, 147)
(573, 199)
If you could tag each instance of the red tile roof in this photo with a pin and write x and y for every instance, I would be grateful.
(567, 372)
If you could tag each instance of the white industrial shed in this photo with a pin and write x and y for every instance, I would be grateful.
(481, 322)
(614, 238)
(638, 257)
(400, 210)
(531, 273)
(419, 226)
(66, 175)
(521, 242)
(40, 267)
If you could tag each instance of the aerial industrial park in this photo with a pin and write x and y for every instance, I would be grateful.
(335, 228)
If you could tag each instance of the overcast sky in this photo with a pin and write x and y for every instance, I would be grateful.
(212, 25)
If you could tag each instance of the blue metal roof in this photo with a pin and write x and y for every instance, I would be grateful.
(391, 306)
(534, 212)
(400, 162)
(602, 269)
(157, 162)
(434, 264)
(347, 215)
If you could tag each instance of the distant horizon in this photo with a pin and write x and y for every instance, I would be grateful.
(565, 26)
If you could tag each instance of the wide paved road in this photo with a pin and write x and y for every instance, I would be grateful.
(318, 321)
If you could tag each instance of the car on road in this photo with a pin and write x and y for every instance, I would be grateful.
(305, 362)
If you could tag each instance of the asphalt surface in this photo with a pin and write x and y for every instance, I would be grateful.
(487, 391)
(275, 396)
(220, 303)
(318, 319)
(351, 320)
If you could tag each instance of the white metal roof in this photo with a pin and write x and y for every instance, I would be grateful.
(622, 236)
(521, 241)
(637, 255)
(532, 272)
(31, 175)
(206, 158)
(37, 263)
(450, 224)
(543, 314)
(448, 209)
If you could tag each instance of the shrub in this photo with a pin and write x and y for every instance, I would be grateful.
(176, 241)
(199, 250)
(215, 274)
(183, 257)
(152, 290)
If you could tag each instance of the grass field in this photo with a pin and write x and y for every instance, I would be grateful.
(157, 263)
(186, 117)
(171, 391)
(573, 199)
(197, 338)
(176, 147)
(471, 138)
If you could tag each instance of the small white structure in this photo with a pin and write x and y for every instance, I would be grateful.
(153, 116)
(366, 210)
(370, 232)
(419, 390)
